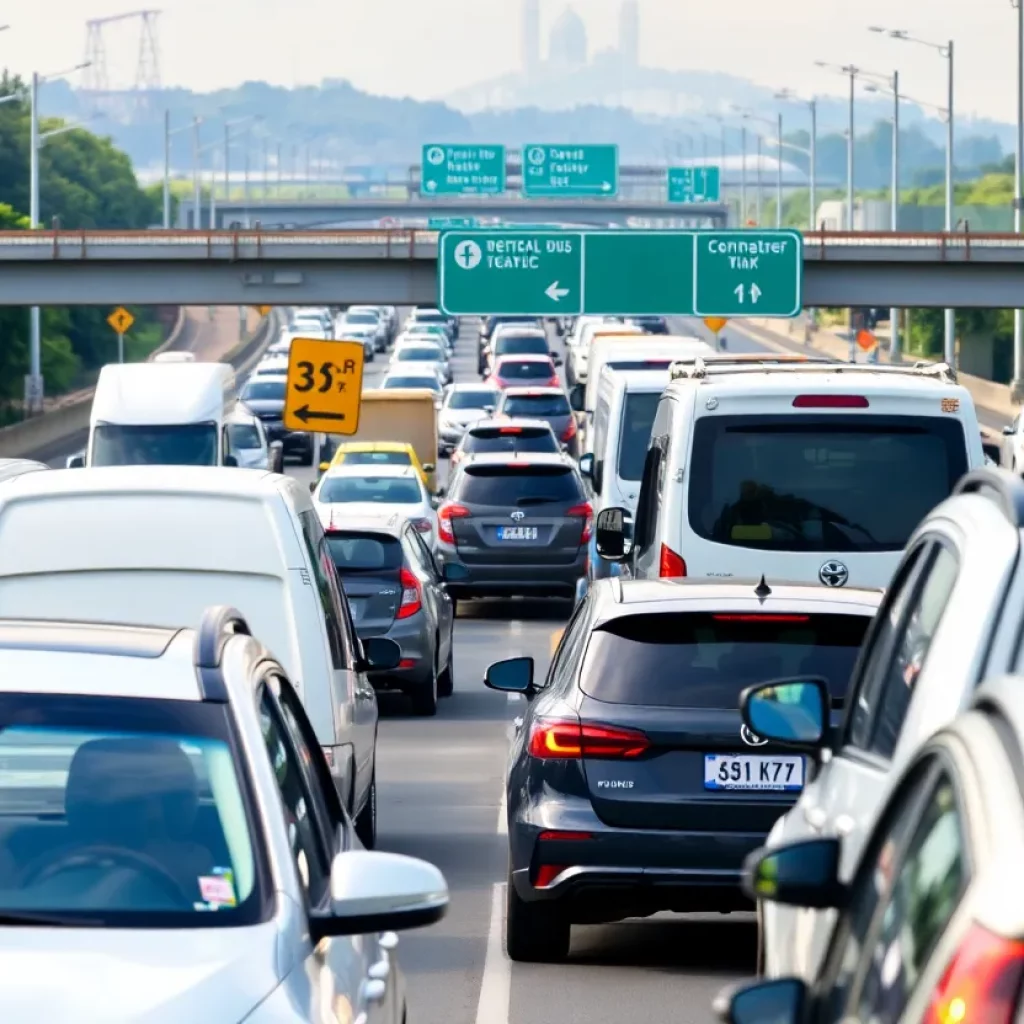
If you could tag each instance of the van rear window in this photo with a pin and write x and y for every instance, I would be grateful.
(820, 483)
(635, 436)
(705, 660)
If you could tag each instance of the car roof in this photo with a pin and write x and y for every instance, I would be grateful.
(634, 380)
(473, 386)
(97, 659)
(509, 421)
(533, 458)
(524, 357)
(536, 392)
(155, 393)
(617, 596)
(526, 331)
(384, 469)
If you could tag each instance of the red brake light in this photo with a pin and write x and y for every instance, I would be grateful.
(518, 465)
(547, 873)
(761, 618)
(569, 740)
(670, 564)
(412, 595)
(586, 513)
(564, 837)
(510, 430)
(570, 431)
(445, 514)
(981, 981)
(830, 402)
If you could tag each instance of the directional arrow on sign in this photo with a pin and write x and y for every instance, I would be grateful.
(306, 414)
(554, 293)
(755, 294)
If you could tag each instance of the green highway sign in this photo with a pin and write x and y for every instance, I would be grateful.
(460, 170)
(441, 223)
(570, 170)
(624, 273)
(694, 185)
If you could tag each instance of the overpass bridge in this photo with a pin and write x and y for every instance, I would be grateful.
(399, 267)
(280, 214)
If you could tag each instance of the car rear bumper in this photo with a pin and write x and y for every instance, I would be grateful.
(539, 578)
(413, 636)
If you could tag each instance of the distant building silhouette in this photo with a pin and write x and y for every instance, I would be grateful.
(629, 33)
(531, 36)
(567, 45)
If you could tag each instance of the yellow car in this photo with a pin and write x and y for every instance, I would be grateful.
(382, 453)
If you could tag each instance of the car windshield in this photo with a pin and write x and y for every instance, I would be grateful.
(517, 487)
(430, 383)
(380, 490)
(264, 391)
(120, 812)
(472, 399)
(428, 316)
(418, 353)
(361, 318)
(637, 420)
(176, 444)
(814, 483)
(535, 405)
(244, 435)
(521, 344)
(515, 369)
(704, 660)
(376, 459)
(356, 551)
(513, 440)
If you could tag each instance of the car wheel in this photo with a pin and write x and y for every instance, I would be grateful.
(535, 933)
(366, 820)
(424, 697)
(446, 680)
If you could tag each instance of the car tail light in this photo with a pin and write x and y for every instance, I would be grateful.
(422, 525)
(407, 663)
(761, 618)
(510, 430)
(445, 514)
(586, 513)
(412, 595)
(981, 981)
(670, 564)
(517, 465)
(567, 739)
(830, 402)
(570, 431)
(553, 381)
(558, 836)
(547, 873)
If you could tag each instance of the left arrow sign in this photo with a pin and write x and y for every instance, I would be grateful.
(554, 293)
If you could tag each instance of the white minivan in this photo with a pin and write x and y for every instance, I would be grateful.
(157, 545)
(794, 469)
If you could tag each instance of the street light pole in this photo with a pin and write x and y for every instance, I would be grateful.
(227, 162)
(197, 212)
(814, 162)
(778, 172)
(167, 169)
(849, 155)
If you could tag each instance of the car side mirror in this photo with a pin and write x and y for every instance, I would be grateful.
(231, 460)
(380, 654)
(276, 452)
(778, 1001)
(454, 572)
(429, 467)
(576, 398)
(586, 464)
(556, 359)
(312, 486)
(513, 675)
(794, 712)
(489, 409)
(801, 874)
(75, 461)
(1007, 431)
(440, 492)
(611, 536)
(372, 891)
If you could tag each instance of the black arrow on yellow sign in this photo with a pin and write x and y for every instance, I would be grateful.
(306, 414)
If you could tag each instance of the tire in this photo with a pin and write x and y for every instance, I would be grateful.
(366, 820)
(446, 680)
(424, 697)
(535, 933)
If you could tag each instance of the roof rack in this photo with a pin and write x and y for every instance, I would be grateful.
(218, 625)
(1006, 489)
(701, 367)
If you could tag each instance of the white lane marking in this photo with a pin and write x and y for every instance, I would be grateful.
(515, 627)
(496, 983)
(503, 813)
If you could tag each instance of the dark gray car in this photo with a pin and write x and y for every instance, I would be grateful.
(395, 589)
(548, 404)
(264, 397)
(519, 523)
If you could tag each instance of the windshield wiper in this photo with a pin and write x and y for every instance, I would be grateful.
(31, 919)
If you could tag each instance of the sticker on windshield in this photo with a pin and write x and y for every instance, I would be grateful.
(218, 889)
(950, 404)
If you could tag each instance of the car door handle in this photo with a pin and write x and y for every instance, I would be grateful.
(816, 817)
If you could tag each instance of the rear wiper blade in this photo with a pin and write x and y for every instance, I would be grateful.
(537, 499)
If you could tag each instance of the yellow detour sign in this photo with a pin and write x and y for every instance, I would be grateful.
(866, 340)
(715, 323)
(325, 385)
(120, 320)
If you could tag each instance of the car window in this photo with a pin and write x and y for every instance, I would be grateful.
(566, 657)
(378, 490)
(329, 595)
(422, 554)
(476, 399)
(377, 459)
(305, 833)
(521, 344)
(244, 436)
(357, 551)
(430, 383)
(535, 405)
(509, 439)
(520, 369)
(517, 486)
(928, 883)
(264, 391)
(635, 435)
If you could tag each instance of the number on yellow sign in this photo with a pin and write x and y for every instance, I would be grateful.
(322, 377)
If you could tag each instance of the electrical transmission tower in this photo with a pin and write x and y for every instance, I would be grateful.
(122, 103)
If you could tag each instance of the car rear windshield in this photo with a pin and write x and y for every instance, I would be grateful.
(264, 390)
(473, 399)
(513, 369)
(704, 660)
(529, 439)
(244, 436)
(536, 405)
(362, 318)
(521, 344)
(517, 486)
(382, 490)
(354, 551)
(820, 483)
(430, 383)
(421, 353)
(635, 436)
(377, 459)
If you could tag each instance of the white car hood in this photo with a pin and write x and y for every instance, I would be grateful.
(110, 976)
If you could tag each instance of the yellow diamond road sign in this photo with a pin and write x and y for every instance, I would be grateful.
(325, 386)
(121, 320)
(715, 323)
(263, 310)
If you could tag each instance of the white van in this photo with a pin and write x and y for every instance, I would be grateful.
(644, 352)
(160, 413)
(151, 545)
(800, 470)
(578, 362)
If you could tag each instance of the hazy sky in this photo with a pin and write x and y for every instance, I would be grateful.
(425, 48)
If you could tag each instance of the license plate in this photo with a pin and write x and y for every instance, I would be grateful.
(753, 771)
(517, 533)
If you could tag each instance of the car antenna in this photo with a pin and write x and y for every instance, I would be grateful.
(762, 590)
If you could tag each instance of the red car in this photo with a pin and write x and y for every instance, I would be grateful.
(528, 370)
